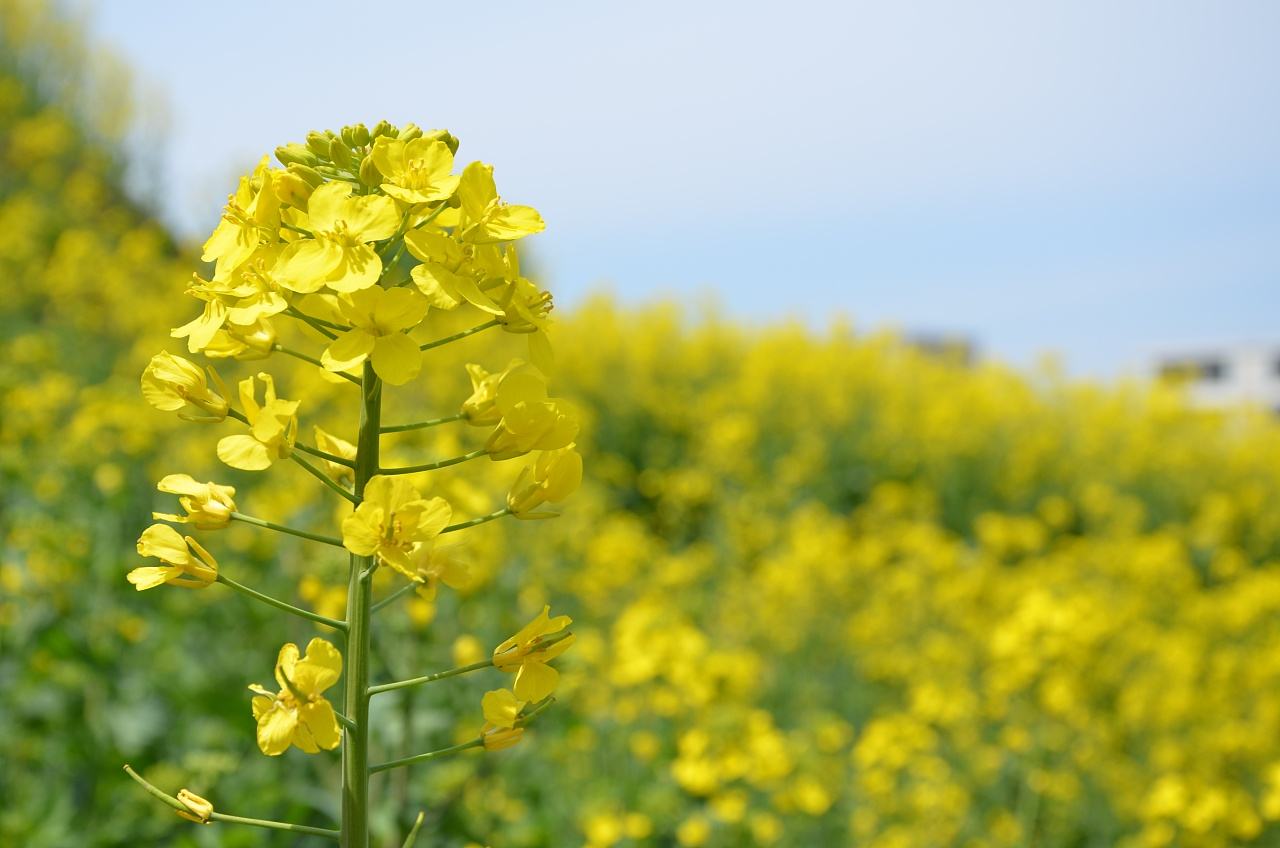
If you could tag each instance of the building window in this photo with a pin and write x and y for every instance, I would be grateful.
(1212, 370)
(1203, 370)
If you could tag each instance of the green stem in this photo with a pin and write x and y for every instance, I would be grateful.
(297, 354)
(280, 528)
(325, 455)
(323, 478)
(460, 335)
(279, 604)
(463, 525)
(439, 675)
(433, 466)
(355, 751)
(224, 817)
(394, 596)
(420, 425)
(314, 323)
(464, 669)
(422, 758)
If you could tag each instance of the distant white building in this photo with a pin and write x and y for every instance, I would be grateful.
(1227, 375)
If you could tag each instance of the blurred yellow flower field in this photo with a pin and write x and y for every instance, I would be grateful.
(826, 588)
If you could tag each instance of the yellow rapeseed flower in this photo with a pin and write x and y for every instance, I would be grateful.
(197, 809)
(526, 654)
(379, 318)
(273, 427)
(208, 505)
(186, 563)
(298, 714)
(485, 218)
(501, 710)
(530, 419)
(553, 477)
(416, 171)
(392, 521)
(251, 217)
(173, 384)
(338, 252)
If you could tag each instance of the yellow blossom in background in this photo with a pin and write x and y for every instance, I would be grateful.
(173, 384)
(273, 427)
(186, 563)
(298, 714)
(208, 506)
(527, 654)
(392, 521)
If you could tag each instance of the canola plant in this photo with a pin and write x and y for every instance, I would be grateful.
(826, 589)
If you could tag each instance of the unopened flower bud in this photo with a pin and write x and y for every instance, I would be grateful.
(294, 153)
(339, 153)
(306, 172)
(198, 809)
(292, 189)
(318, 143)
(384, 128)
(369, 173)
(173, 384)
(450, 140)
(410, 132)
(359, 135)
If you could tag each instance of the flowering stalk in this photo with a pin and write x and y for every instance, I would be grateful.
(315, 238)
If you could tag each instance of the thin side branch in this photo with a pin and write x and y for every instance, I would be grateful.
(323, 478)
(279, 604)
(420, 425)
(173, 802)
(433, 466)
(463, 525)
(280, 528)
(459, 335)
(430, 755)
(331, 457)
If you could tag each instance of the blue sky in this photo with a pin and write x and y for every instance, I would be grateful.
(1097, 179)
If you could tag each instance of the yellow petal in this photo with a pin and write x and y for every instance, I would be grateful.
(434, 517)
(306, 264)
(362, 530)
(372, 218)
(500, 707)
(396, 358)
(359, 269)
(347, 350)
(320, 719)
(151, 576)
(535, 680)
(435, 283)
(327, 205)
(244, 452)
(319, 669)
(164, 543)
(508, 222)
(275, 729)
(399, 309)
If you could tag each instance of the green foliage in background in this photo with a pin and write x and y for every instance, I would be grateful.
(828, 589)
